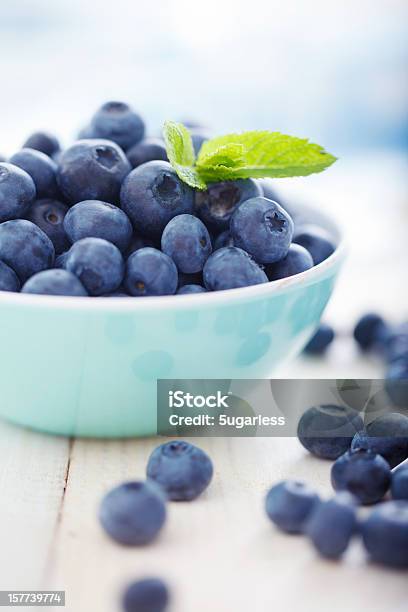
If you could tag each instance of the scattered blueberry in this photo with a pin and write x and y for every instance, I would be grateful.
(133, 513)
(186, 240)
(369, 330)
(17, 192)
(147, 595)
(96, 219)
(182, 469)
(385, 534)
(289, 504)
(296, 261)
(97, 263)
(8, 278)
(387, 435)
(327, 431)
(231, 267)
(116, 121)
(394, 346)
(332, 525)
(92, 170)
(150, 272)
(191, 289)
(363, 473)
(41, 168)
(43, 141)
(396, 382)
(25, 248)
(49, 215)
(223, 240)
(147, 150)
(399, 483)
(263, 229)
(316, 241)
(321, 340)
(216, 205)
(54, 282)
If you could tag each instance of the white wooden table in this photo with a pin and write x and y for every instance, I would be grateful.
(218, 553)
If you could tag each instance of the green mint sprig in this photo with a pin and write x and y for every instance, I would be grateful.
(254, 154)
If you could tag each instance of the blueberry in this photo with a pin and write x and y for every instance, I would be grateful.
(133, 513)
(399, 483)
(199, 136)
(332, 525)
(182, 469)
(321, 340)
(41, 168)
(316, 241)
(289, 504)
(152, 194)
(223, 240)
(363, 473)
(92, 170)
(49, 215)
(186, 240)
(118, 122)
(190, 279)
(231, 267)
(369, 330)
(97, 263)
(216, 205)
(387, 435)
(25, 248)
(147, 150)
(150, 272)
(54, 282)
(96, 219)
(147, 595)
(327, 431)
(395, 343)
(8, 278)
(385, 534)
(139, 242)
(296, 261)
(43, 141)
(396, 382)
(17, 192)
(191, 289)
(263, 229)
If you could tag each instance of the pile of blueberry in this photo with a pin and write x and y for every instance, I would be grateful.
(133, 513)
(110, 217)
(369, 462)
(374, 335)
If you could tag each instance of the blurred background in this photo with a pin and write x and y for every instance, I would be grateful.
(335, 72)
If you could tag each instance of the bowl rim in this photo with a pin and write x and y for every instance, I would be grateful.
(188, 301)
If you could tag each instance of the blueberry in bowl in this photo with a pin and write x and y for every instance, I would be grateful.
(230, 308)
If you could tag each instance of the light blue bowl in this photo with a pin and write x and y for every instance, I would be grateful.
(88, 367)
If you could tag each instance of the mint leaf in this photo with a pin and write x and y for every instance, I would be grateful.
(181, 155)
(260, 154)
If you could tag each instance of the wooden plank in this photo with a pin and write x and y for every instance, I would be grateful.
(32, 476)
(219, 552)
